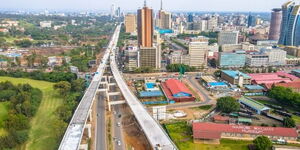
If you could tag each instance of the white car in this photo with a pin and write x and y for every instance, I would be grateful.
(119, 143)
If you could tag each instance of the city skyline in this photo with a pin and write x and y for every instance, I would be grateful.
(132, 5)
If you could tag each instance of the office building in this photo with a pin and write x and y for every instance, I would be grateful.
(190, 18)
(276, 17)
(228, 37)
(235, 77)
(276, 56)
(292, 50)
(257, 60)
(164, 18)
(112, 11)
(145, 26)
(290, 25)
(198, 54)
(232, 60)
(130, 23)
(131, 61)
(148, 57)
(212, 23)
(251, 21)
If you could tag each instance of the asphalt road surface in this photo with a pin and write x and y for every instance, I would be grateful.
(101, 126)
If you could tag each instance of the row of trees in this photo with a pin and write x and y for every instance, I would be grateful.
(176, 67)
(24, 102)
(71, 92)
(39, 75)
(285, 96)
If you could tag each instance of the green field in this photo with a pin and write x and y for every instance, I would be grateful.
(181, 134)
(41, 136)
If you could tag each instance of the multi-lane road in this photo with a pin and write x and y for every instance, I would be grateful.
(101, 123)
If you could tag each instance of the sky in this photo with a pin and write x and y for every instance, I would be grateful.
(132, 5)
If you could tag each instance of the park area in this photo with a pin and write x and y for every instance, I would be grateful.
(181, 134)
(41, 134)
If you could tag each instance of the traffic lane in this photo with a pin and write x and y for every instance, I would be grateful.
(101, 126)
(207, 99)
(118, 136)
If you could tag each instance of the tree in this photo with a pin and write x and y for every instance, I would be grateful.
(228, 104)
(63, 87)
(289, 122)
(78, 85)
(262, 143)
(23, 43)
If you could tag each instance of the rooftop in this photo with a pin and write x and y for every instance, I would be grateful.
(254, 87)
(207, 130)
(270, 78)
(235, 74)
(253, 103)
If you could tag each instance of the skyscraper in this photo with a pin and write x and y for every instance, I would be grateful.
(112, 11)
(130, 23)
(164, 18)
(198, 54)
(190, 18)
(274, 32)
(290, 25)
(251, 21)
(145, 26)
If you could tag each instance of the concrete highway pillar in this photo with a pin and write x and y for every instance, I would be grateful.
(83, 147)
(90, 115)
(88, 127)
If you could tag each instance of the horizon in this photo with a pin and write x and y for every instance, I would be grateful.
(169, 5)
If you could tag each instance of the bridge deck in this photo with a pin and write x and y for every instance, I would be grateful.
(74, 132)
(153, 131)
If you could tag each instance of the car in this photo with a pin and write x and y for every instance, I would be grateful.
(119, 143)
(119, 124)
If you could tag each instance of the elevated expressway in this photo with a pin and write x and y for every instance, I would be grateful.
(155, 134)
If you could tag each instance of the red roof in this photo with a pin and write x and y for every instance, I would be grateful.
(176, 86)
(270, 78)
(293, 85)
(220, 118)
(206, 130)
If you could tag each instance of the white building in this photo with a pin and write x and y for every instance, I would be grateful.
(228, 37)
(277, 56)
(46, 24)
(198, 54)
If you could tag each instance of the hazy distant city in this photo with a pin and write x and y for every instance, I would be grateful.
(150, 75)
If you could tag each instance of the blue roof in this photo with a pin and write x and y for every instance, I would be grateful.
(164, 31)
(254, 87)
(217, 84)
(151, 94)
(296, 70)
(234, 74)
(150, 85)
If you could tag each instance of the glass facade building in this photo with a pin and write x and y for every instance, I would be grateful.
(290, 25)
(231, 60)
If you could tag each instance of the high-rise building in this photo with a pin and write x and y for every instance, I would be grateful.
(190, 18)
(118, 12)
(251, 21)
(198, 54)
(212, 23)
(165, 21)
(290, 25)
(130, 23)
(164, 18)
(145, 26)
(228, 37)
(112, 11)
(229, 60)
(276, 17)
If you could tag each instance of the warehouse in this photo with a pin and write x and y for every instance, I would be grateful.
(206, 132)
(177, 91)
(254, 105)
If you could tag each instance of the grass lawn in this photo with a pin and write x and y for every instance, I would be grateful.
(204, 107)
(180, 133)
(3, 112)
(41, 136)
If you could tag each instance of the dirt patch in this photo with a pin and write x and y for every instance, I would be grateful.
(191, 113)
(133, 135)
